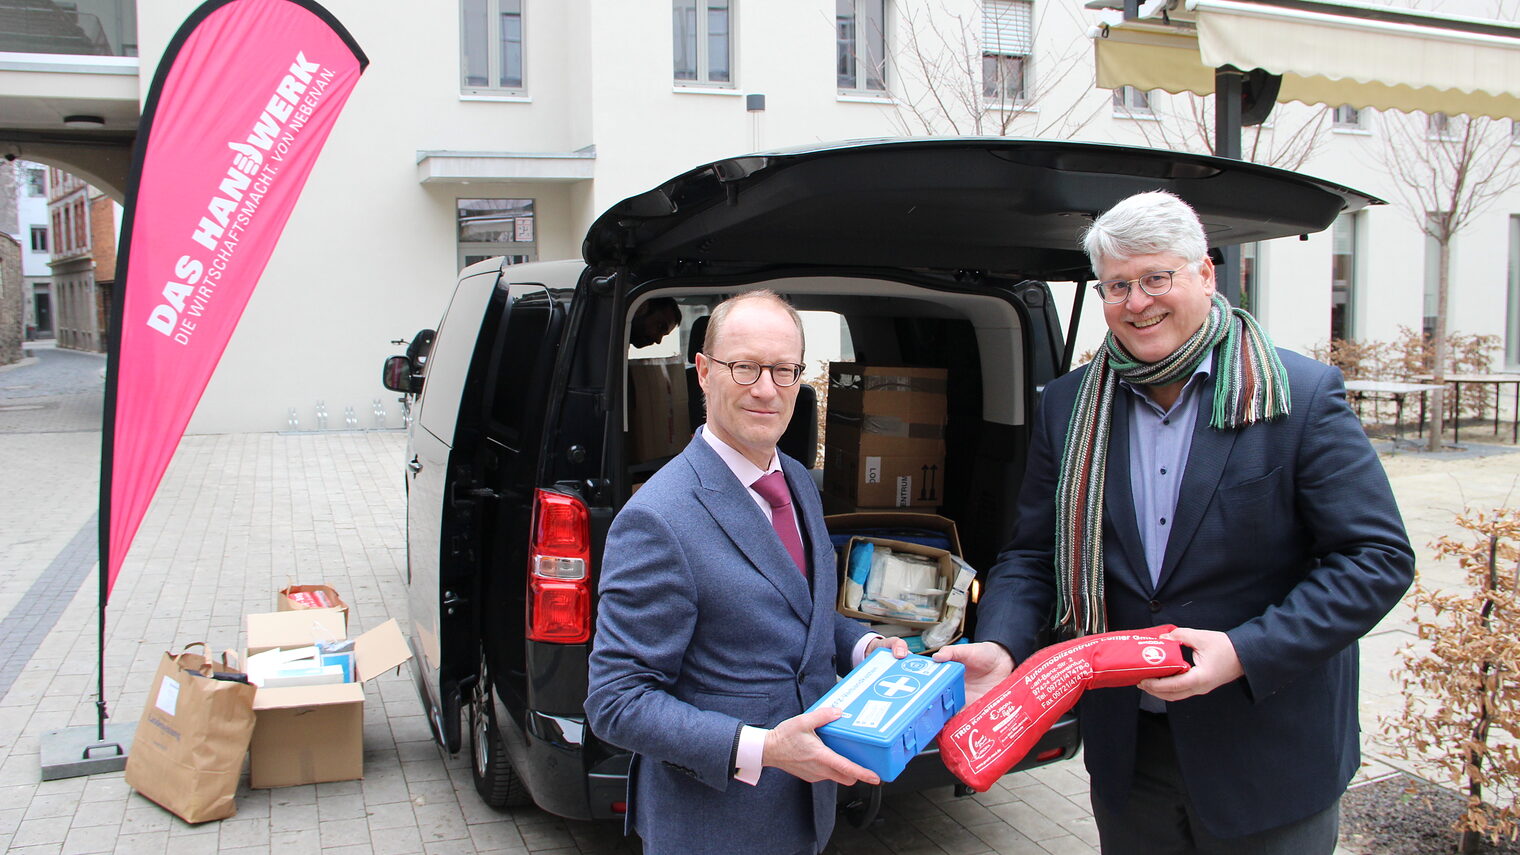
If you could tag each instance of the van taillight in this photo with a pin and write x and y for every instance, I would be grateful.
(559, 584)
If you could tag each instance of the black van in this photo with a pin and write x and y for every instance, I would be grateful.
(934, 252)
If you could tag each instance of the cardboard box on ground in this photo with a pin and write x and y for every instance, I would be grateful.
(659, 423)
(311, 734)
(292, 597)
(884, 443)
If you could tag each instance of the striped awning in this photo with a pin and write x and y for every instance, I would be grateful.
(1327, 53)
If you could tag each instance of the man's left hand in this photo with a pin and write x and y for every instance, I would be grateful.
(898, 647)
(1214, 664)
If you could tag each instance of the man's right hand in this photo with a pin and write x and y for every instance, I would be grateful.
(795, 749)
(987, 664)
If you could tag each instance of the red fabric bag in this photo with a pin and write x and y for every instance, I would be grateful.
(989, 737)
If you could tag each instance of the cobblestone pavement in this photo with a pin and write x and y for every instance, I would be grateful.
(238, 516)
(53, 390)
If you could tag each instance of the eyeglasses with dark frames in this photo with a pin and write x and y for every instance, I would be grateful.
(1155, 284)
(746, 372)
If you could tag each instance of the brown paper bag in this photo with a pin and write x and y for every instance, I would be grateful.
(189, 746)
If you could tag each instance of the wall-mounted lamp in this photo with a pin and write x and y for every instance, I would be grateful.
(83, 121)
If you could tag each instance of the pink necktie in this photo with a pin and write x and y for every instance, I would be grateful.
(772, 488)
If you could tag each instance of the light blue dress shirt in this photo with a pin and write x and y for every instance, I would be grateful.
(1159, 442)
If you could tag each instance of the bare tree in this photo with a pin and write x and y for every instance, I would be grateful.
(945, 87)
(1186, 122)
(1446, 171)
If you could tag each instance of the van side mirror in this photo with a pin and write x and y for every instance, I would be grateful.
(398, 377)
(420, 349)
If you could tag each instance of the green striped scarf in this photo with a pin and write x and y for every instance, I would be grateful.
(1250, 385)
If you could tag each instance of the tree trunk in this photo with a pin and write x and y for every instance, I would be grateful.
(1438, 337)
(1468, 842)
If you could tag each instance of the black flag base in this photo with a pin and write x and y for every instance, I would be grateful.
(76, 751)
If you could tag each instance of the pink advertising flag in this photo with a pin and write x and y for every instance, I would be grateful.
(243, 100)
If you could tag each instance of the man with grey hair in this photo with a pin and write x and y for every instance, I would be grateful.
(1195, 475)
(716, 625)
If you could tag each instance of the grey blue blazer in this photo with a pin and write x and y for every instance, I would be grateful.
(704, 624)
(1286, 536)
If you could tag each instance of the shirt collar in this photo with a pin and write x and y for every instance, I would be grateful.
(747, 472)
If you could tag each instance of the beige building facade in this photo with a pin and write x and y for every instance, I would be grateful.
(504, 127)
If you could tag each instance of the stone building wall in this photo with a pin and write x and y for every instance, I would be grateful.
(12, 300)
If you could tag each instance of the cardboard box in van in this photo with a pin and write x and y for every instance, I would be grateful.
(860, 477)
(659, 422)
(311, 734)
(913, 396)
(884, 441)
(893, 525)
(945, 572)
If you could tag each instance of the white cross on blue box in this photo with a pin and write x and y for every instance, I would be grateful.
(893, 708)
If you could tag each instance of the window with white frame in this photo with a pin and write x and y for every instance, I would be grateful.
(1007, 41)
(39, 238)
(1438, 126)
(1432, 271)
(703, 42)
(1343, 276)
(36, 181)
(861, 29)
(1251, 278)
(1346, 117)
(492, 227)
(1512, 321)
(491, 46)
(1131, 101)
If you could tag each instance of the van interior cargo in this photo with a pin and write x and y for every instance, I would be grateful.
(974, 341)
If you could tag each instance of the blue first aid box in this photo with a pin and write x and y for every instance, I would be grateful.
(893, 708)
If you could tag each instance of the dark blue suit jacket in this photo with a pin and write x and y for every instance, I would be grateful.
(1286, 536)
(704, 623)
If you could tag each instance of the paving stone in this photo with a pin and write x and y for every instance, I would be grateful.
(1005, 840)
(493, 836)
(1052, 805)
(344, 832)
(1028, 821)
(285, 818)
(89, 839)
(330, 808)
(240, 832)
(150, 843)
(100, 813)
(395, 841)
(307, 841)
(43, 807)
(10, 820)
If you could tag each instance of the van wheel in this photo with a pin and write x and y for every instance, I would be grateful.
(495, 779)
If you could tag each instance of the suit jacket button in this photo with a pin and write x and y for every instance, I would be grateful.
(1155, 606)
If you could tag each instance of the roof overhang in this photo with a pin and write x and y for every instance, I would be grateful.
(38, 91)
(465, 167)
(1326, 53)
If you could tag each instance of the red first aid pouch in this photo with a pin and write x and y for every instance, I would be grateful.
(986, 739)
